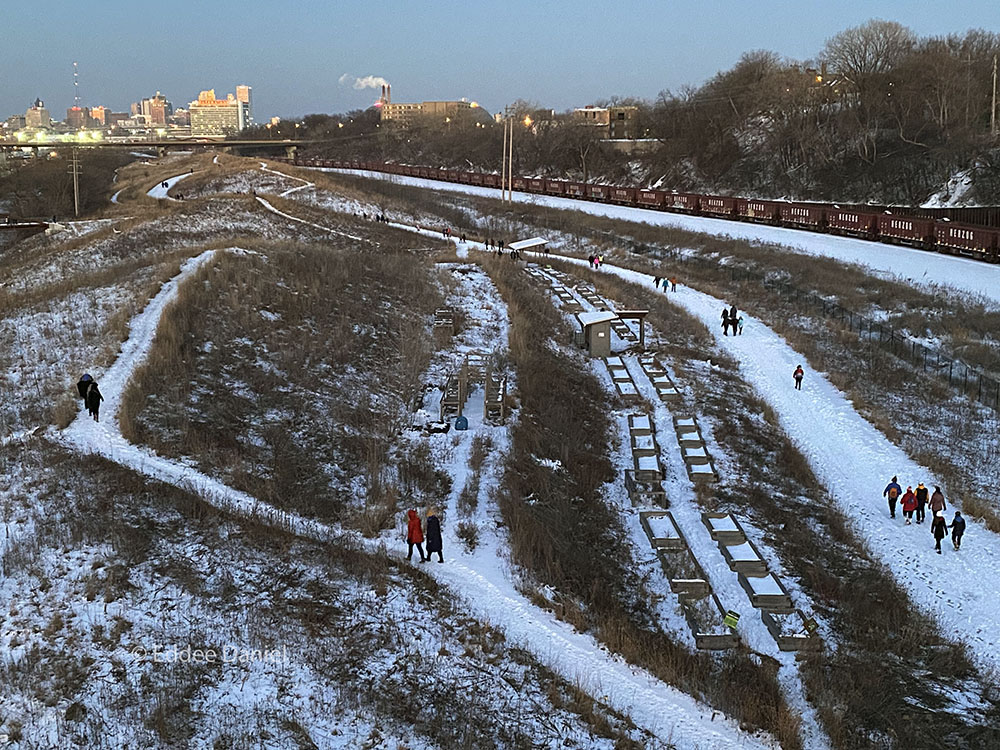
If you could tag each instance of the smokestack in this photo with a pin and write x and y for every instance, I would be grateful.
(383, 92)
(388, 93)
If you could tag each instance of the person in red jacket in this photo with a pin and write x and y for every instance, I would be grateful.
(909, 505)
(797, 376)
(414, 535)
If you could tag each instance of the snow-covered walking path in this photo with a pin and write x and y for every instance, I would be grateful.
(285, 194)
(162, 189)
(490, 594)
(916, 266)
(855, 461)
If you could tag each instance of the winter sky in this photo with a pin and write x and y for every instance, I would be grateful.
(302, 56)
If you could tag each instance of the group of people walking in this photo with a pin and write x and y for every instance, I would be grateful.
(595, 261)
(417, 532)
(86, 386)
(731, 318)
(662, 283)
(916, 502)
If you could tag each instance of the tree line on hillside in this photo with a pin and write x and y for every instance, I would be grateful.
(881, 115)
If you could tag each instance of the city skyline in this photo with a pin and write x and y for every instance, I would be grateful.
(333, 58)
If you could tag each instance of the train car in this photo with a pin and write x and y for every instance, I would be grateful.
(808, 215)
(856, 223)
(576, 189)
(427, 173)
(598, 192)
(754, 209)
(477, 178)
(491, 180)
(555, 187)
(520, 183)
(684, 202)
(907, 230)
(465, 178)
(452, 175)
(651, 198)
(625, 196)
(536, 185)
(982, 243)
(718, 205)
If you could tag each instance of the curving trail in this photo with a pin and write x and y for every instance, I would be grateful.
(159, 191)
(854, 461)
(666, 711)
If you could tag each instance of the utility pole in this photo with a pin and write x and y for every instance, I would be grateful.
(75, 171)
(510, 163)
(503, 160)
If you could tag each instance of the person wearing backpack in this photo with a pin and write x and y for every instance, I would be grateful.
(797, 377)
(892, 491)
(909, 505)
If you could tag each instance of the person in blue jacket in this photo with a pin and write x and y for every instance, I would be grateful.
(892, 491)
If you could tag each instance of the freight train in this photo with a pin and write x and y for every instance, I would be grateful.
(927, 233)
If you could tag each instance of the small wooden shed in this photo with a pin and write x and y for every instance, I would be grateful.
(597, 332)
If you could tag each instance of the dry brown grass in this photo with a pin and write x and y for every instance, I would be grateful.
(336, 342)
(561, 530)
(773, 485)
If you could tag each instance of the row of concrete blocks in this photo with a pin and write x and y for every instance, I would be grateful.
(789, 627)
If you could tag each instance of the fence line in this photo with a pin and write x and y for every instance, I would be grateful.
(970, 381)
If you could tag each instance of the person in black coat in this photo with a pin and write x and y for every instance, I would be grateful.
(433, 535)
(921, 501)
(957, 529)
(939, 528)
(81, 385)
(94, 399)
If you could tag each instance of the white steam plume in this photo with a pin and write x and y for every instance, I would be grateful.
(368, 82)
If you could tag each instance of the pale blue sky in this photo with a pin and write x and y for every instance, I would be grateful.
(560, 54)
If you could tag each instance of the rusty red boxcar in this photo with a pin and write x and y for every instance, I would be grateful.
(908, 230)
(981, 242)
(623, 195)
(842, 221)
(652, 198)
(802, 214)
(598, 192)
(685, 202)
(718, 204)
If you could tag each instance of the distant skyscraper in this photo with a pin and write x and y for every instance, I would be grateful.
(37, 116)
(244, 95)
(78, 117)
(218, 117)
(99, 115)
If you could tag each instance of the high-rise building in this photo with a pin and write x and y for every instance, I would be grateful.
(244, 95)
(77, 118)
(211, 117)
(99, 116)
(37, 116)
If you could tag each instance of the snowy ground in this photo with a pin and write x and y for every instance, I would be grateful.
(481, 580)
(854, 460)
(162, 189)
(916, 266)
